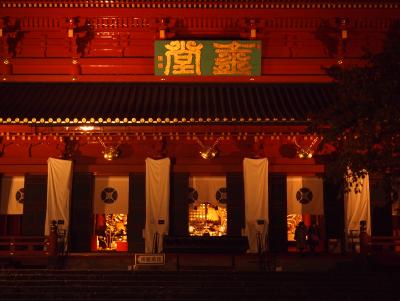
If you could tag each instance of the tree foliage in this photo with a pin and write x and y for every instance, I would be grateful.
(361, 129)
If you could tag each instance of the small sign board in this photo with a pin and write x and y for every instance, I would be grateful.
(149, 259)
(207, 57)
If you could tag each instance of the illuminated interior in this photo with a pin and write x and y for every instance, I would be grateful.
(292, 221)
(112, 236)
(207, 219)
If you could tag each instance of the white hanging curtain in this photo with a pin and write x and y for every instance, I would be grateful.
(157, 201)
(59, 185)
(12, 195)
(207, 188)
(357, 207)
(305, 195)
(255, 172)
(111, 195)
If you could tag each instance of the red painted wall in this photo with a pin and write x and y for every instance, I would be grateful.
(116, 44)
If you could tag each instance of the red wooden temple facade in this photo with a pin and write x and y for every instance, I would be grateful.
(78, 82)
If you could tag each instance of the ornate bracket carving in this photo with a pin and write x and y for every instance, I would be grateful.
(3, 145)
(250, 28)
(80, 33)
(68, 148)
(333, 37)
(165, 27)
(253, 28)
(342, 25)
(159, 149)
(257, 149)
(328, 35)
(12, 35)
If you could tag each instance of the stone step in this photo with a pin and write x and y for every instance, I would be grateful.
(178, 286)
(196, 296)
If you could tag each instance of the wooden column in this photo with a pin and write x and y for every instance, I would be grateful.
(235, 203)
(137, 212)
(81, 221)
(277, 201)
(333, 210)
(179, 209)
(381, 210)
(35, 201)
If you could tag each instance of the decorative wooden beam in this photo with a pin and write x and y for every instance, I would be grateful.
(237, 4)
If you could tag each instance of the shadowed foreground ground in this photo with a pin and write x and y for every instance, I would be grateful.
(321, 277)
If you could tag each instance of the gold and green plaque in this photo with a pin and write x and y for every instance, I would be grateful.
(207, 57)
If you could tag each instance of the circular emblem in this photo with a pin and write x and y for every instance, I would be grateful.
(304, 195)
(109, 195)
(193, 195)
(19, 195)
(221, 195)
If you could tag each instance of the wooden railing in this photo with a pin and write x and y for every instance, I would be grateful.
(18, 251)
(384, 244)
(24, 245)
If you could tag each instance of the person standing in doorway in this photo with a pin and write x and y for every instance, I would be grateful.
(313, 237)
(300, 235)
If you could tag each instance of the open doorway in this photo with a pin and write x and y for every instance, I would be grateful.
(110, 231)
(207, 219)
(308, 219)
(207, 206)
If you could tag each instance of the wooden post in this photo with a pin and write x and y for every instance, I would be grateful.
(364, 238)
(53, 239)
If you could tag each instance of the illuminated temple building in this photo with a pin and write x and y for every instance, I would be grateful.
(178, 117)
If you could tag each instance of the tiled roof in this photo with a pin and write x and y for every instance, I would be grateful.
(131, 103)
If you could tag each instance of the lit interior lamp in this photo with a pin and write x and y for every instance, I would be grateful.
(209, 152)
(110, 152)
(305, 152)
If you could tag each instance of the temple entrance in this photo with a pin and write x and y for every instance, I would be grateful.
(207, 206)
(207, 220)
(110, 205)
(317, 221)
(305, 204)
(111, 233)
